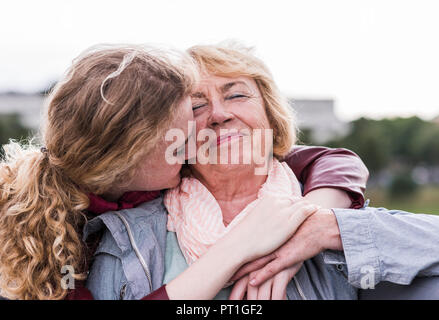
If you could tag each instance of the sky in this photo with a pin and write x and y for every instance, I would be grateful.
(374, 58)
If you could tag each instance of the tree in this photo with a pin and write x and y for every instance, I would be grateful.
(402, 185)
(368, 140)
(404, 142)
(12, 128)
(305, 137)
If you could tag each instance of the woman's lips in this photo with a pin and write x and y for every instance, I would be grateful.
(227, 138)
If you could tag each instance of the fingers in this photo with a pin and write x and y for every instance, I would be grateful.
(253, 266)
(267, 272)
(252, 292)
(264, 290)
(279, 287)
(239, 289)
(300, 211)
(280, 283)
(306, 208)
(274, 288)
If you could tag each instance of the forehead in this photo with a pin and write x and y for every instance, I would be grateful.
(221, 84)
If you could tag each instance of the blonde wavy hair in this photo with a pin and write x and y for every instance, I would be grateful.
(110, 110)
(231, 59)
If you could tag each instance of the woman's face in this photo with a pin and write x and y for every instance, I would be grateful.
(229, 104)
(155, 172)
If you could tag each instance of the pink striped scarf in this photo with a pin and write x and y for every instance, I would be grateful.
(196, 217)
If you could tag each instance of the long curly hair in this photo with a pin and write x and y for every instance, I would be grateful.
(111, 109)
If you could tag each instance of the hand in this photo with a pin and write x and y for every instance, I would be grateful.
(318, 233)
(272, 222)
(272, 289)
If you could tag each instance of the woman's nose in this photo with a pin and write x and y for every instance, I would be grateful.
(219, 114)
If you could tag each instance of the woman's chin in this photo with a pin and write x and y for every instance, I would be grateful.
(172, 183)
(231, 167)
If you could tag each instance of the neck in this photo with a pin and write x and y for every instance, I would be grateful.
(234, 188)
(112, 195)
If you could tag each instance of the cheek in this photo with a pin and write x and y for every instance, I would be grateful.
(253, 114)
(164, 169)
(255, 119)
(201, 124)
(157, 173)
(201, 121)
(161, 176)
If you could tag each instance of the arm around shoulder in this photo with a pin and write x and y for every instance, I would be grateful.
(396, 246)
(321, 167)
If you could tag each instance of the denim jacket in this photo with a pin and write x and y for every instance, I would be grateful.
(129, 262)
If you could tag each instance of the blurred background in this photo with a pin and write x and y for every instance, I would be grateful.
(362, 75)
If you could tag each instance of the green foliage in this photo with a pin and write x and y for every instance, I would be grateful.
(425, 145)
(12, 128)
(402, 185)
(305, 137)
(369, 140)
(424, 200)
(393, 142)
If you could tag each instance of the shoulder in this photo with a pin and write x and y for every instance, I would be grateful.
(131, 251)
(148, 213)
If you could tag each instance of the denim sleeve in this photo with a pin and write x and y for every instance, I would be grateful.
(386, 245)
(106, 278)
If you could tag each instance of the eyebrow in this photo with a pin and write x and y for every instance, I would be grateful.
(199, 95)
(223, 88)
(229, 85)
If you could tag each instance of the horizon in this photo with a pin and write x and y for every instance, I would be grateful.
(291, 99)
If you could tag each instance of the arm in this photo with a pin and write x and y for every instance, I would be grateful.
(374, 244)
(329, 198)
(390, 245)
(338, 169)
(202, 280)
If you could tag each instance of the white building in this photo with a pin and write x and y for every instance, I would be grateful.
(318, 116)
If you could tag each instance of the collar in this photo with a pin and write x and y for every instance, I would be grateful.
(131, 199)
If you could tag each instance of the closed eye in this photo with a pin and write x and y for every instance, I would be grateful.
(236, 96)
(198, 106)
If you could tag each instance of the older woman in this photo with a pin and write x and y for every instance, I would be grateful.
(237, 92)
